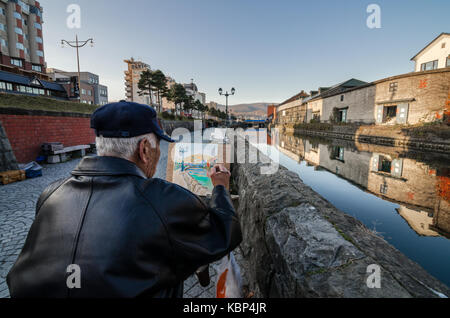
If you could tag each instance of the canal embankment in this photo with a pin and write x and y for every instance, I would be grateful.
(297, 244)
(433, 137)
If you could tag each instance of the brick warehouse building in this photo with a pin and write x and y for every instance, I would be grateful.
(410, 98)
(21, 36)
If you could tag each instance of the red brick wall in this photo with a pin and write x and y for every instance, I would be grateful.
(27, 133)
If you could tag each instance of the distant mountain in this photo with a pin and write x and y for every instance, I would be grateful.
(252, 109)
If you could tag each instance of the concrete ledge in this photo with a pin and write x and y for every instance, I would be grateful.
(296, 244)
(170, 125)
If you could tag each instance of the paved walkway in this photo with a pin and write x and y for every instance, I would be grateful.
(17, 210)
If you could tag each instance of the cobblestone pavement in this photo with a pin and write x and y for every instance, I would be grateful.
(17, 210)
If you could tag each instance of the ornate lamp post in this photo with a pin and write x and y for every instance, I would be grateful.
(78, 44)
(233, 91)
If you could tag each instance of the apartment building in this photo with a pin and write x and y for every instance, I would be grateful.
(92, 92)
(166, 104)
(435, 55)
(132, 77)
(21, 39)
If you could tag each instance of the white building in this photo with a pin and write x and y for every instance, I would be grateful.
(192, 90)
(435, 55)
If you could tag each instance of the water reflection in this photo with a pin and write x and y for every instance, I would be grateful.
(404, 196)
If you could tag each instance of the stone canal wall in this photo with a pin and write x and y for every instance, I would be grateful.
(170, 125)
(386, 136)
(296, 244)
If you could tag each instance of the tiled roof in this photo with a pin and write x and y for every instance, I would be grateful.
(340, 88)
(302, 94)
(25, 80)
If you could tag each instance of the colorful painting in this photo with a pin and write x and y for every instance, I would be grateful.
(190, 164)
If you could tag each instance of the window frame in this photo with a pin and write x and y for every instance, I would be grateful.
(434, 63)
(36, 68)
(393, 87)
(14, 60)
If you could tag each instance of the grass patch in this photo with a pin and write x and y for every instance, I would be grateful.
(314, 126)
(440, 130)
(44, 104)
(341, 233)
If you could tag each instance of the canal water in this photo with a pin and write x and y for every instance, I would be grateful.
(403, 196)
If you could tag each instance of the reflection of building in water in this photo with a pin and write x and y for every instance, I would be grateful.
(441, 218)
(291, 146)
(420, 221)
(350, 164)
(417, 186)
(312, 153)
(422, 191)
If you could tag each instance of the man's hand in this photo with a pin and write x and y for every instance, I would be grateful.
(220, 176)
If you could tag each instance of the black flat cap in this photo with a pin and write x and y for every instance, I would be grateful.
(126, 120)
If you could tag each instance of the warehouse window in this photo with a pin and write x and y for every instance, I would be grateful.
(19, 31)
(448, 61)
(17, 15)
(393, 87)
(2, 27)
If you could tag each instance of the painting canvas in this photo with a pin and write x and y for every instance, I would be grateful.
(189, 164)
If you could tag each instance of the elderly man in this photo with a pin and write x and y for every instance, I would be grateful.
(112, 230)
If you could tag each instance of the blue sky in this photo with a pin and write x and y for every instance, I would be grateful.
(267, 50)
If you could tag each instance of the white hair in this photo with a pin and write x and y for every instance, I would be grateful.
(122, 147)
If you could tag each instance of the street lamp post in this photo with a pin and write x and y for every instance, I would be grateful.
(78, 44)
(233, 91)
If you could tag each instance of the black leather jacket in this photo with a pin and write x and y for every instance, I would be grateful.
(130, 236)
